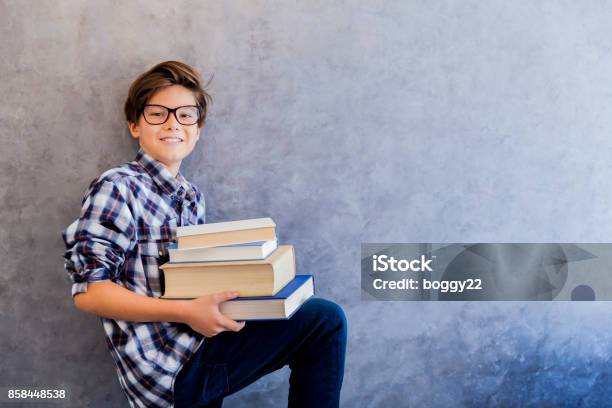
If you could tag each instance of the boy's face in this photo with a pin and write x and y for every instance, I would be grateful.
(170, 142)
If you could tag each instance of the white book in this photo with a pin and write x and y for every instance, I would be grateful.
(238, 252)
(225, 233)
(212, 228)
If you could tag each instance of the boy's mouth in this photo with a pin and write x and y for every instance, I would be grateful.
(171, 139)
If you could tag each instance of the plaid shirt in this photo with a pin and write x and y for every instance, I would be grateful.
(129, 215)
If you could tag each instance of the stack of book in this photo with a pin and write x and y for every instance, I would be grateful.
(242, 256)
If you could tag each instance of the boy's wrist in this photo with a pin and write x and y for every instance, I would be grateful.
(178, 310)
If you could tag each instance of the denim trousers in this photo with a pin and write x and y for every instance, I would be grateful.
(312, 342)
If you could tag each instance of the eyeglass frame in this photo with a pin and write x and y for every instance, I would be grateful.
(171, 111)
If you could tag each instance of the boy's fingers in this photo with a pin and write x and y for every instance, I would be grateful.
(232, 324)
(223, 296)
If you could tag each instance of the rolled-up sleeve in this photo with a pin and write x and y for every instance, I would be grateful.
(98, 241)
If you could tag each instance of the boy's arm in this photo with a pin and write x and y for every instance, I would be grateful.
(112, 301)
(107, 299)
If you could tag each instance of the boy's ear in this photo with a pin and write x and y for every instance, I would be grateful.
(134, 129)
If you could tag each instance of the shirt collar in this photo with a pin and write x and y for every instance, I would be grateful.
(163, 178)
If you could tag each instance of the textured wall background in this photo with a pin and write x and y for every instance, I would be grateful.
(347, 122)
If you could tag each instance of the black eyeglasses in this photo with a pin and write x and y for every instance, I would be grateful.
(159, 114)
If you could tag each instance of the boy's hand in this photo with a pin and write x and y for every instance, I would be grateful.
(203, 314)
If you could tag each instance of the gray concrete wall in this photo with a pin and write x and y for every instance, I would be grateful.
(347, 122)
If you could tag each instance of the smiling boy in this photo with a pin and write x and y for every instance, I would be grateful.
(181, 353)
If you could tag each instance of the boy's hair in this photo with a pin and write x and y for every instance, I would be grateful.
(165, 74)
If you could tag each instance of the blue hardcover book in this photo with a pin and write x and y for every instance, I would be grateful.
(280, 306)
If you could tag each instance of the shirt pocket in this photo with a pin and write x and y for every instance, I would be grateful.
(153, 243)
(152, 237)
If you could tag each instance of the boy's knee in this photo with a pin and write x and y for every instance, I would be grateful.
(326, 312)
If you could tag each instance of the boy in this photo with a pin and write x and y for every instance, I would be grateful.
(181, 353)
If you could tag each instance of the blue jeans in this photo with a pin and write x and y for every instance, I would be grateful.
(312, 342)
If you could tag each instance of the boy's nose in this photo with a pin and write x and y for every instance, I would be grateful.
(172, 122)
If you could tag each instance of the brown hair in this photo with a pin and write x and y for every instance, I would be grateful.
(165, 74)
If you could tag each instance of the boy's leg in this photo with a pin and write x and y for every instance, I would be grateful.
(312, 342)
